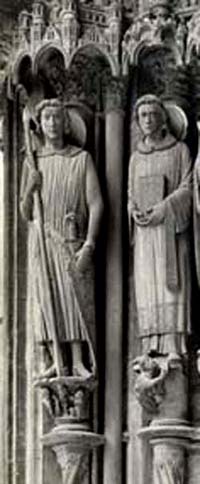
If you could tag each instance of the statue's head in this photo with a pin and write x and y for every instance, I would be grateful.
(53, 119)
(154, 116)
(58, 120)
(151, 115)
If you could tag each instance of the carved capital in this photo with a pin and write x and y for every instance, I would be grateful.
(67, 398)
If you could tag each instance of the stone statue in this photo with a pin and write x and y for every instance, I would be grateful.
(159, 208)
(64, 183)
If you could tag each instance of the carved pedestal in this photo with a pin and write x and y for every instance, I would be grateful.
(68, 400)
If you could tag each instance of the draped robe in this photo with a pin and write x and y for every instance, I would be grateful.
(162, 279)
(65, 218)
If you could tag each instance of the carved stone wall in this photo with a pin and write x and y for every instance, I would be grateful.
(103, 55)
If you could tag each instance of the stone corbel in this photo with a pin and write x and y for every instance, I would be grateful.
(156, 383)
(150, 383)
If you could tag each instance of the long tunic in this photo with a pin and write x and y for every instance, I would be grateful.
(162, 279)
(65, 218)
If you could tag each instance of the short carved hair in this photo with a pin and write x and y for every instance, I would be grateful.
(150, 99)
(57, 104)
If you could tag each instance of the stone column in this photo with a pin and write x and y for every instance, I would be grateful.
(168, 441)
(168, 460)
(114, 124)
(14, 314)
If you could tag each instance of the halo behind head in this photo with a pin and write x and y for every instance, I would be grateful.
(175, 117)
(149, 99)
(76, 122)
(177, 120)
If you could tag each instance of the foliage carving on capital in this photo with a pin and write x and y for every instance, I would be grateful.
(67, 397)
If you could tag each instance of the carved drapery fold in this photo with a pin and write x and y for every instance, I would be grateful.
(100, 26)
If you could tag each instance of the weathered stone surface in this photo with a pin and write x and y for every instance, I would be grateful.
(104, 55)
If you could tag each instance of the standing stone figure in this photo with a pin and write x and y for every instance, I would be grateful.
(71, 204)
(159, 206)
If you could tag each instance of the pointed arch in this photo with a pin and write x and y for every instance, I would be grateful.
(99, 50)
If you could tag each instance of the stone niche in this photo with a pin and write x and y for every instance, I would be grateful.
(137, 419)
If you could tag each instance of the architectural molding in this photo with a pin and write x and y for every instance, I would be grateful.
(101, 55)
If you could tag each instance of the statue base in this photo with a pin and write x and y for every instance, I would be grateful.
(68, 400)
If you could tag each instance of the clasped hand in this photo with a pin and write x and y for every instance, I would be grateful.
(153, 216)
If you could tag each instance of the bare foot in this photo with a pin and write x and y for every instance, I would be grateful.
(80, 370)
(48, 373)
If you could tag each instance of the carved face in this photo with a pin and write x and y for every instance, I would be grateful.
(150, 118)
(52, 122)
(160, 13)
